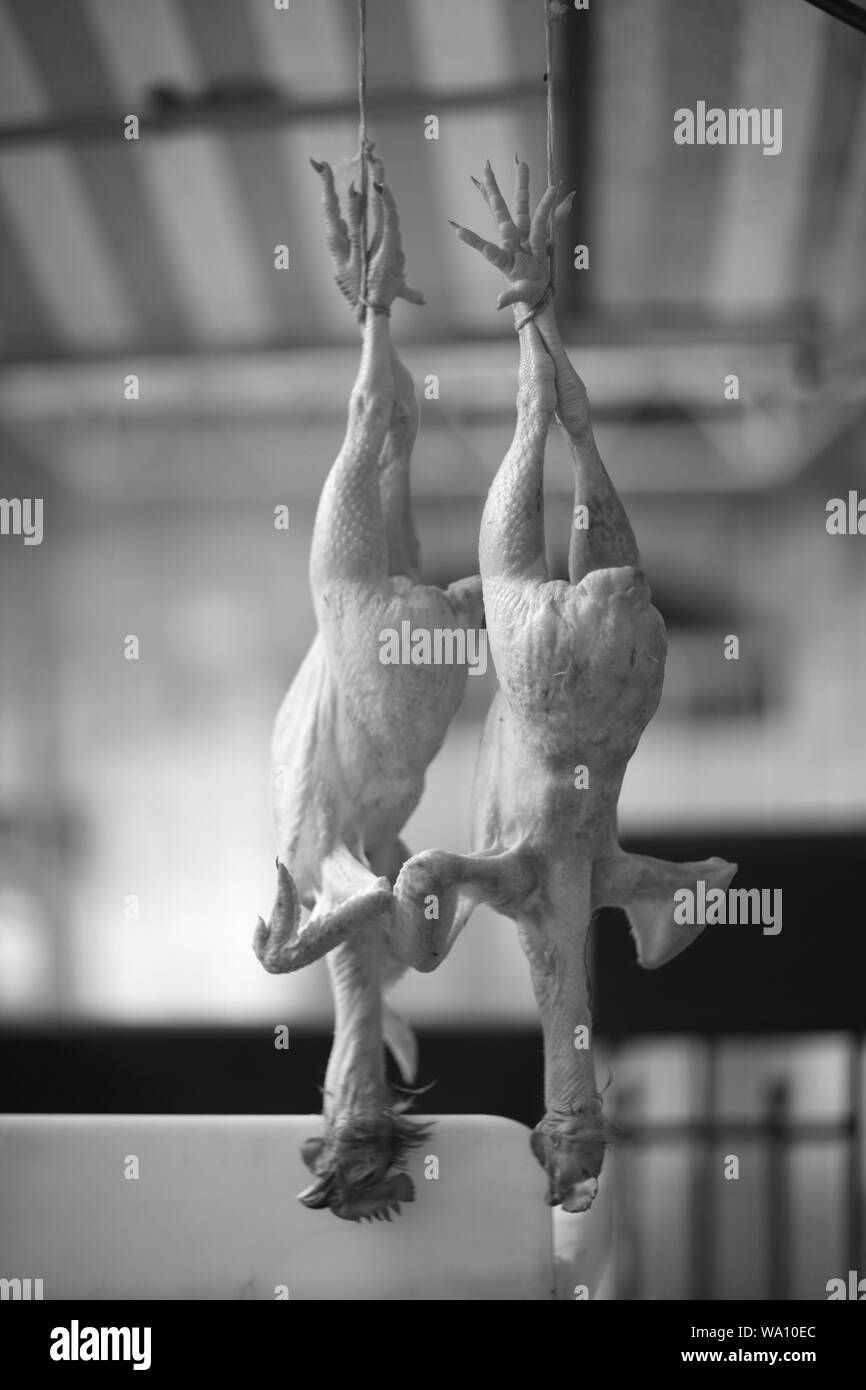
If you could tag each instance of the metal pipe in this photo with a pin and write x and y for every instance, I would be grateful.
(844, 10)
(703, 1214)
(794, 1132)
(253, 110)
(778, 1199)
(856, 1250)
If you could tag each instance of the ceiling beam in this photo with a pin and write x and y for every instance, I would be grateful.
(243, 108)
(477, 377)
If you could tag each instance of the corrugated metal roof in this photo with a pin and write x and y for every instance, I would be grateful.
(166, 243)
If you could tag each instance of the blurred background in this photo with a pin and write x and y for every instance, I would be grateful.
(136, 847)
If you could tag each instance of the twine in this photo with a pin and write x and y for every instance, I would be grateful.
(363, 150)
(552, 161)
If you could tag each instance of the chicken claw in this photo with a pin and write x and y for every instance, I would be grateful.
(523, 253)
(281, 948)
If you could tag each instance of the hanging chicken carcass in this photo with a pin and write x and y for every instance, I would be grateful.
(354, 737)
(580, 665)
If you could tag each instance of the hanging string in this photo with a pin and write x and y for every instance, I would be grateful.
(553, 9)
(363, 146)
(549, 14)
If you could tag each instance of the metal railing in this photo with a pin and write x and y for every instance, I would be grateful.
(778, 1131)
